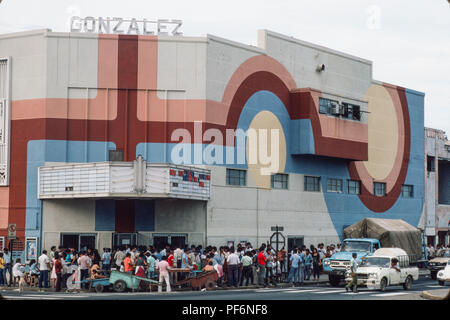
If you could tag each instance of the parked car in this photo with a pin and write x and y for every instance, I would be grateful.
(438, 263)
(443, 275)
(376, 271)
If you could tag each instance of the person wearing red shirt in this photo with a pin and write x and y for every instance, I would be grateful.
(58, 271)
(127, 264)
(170, 259)
(262, 266)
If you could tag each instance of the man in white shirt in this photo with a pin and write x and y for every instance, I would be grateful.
(233, 264)
(44, 267)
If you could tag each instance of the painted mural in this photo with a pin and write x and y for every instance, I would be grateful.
(127, 112)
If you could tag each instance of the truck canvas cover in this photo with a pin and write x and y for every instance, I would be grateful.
(391, 233)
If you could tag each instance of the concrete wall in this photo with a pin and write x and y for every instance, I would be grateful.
(240, 213)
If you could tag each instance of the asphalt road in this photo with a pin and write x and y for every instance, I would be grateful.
(311, 292)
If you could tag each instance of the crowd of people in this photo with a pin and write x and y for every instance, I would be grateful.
(235, 267)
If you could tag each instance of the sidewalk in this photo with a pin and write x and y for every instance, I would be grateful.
(439, 294)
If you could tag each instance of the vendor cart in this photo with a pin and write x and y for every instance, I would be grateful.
(200, 279)
(122, 281)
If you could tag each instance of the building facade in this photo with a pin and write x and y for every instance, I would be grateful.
(437, 186)
(348, 146)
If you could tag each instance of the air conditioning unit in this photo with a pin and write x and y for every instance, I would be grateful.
(335, 108)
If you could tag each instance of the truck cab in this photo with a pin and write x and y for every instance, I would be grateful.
(377, 271)
(338, 263)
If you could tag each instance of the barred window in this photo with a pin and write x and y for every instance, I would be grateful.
(279, 181)
(407, 191)
(379, 189)
(354, 186)
(236, 177)
(334, 185)
(312, 183)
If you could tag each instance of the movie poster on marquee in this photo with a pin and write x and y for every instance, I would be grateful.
(31, 248)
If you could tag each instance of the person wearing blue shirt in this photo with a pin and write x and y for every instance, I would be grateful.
(301, 267)
(293, 272)
(106, 259)
(308, 264)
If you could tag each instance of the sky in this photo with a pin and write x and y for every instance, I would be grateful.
(408, 41)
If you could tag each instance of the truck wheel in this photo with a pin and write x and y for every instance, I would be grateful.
(433, 275)
(120, 286)
(441, 282)
(383, 285)
(408, 283)
(334, 280)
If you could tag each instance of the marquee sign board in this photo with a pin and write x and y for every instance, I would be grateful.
(126, 26)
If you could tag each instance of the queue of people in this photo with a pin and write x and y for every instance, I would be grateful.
(235, 267)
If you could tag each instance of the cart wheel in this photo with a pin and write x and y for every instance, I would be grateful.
(210, 284)
(99, 288)
(120, 286)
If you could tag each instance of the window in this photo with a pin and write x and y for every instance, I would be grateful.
(236, 177)
(324, 105)
(379, 189)
(334, 185)
(431, 166)
(279, 181)
(115, 155)
(312, 183)
(354, 186)
(407, 191)
(352, 111)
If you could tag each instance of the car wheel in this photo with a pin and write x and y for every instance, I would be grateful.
(441, 282)
(99, 288)
(433, 275)
(383, 285)
(120, 286)
(408, 283)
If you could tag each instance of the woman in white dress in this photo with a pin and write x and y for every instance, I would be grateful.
(53, 274)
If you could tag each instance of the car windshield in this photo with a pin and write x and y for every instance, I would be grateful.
(355, 246)
(376, 262)
(444, 254)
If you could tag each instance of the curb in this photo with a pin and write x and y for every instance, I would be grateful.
(430, 296)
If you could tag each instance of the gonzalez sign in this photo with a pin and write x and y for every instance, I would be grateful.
(123, 26)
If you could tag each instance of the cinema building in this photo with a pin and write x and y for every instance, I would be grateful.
(87, 148)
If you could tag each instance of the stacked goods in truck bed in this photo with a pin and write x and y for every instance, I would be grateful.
(390, 232)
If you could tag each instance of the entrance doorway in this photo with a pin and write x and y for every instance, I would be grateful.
(80, 242)
(122, 239)
(173, 240)
(295, 242)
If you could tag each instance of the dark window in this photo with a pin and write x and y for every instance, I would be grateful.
(279, 181)
(115, 155)
(407, 191)
(352, 111)
(354, 186)
(379, 189)
(334, 185)
(356, 113)
(236, 177)
(312, 183)
(431, 165)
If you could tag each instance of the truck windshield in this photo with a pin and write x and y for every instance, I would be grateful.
(376, 262)
(355, 246)
(444, 254)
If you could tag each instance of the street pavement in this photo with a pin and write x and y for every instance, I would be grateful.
(322, 291)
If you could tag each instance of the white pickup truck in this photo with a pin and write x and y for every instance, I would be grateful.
(376, 271)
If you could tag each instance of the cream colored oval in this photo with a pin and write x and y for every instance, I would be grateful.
(266, 120)
(383, 133)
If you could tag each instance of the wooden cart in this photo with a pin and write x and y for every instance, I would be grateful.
(200, 279)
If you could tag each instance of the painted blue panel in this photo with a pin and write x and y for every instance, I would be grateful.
(105, 215)
(144, 215)
(302, 137)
